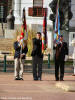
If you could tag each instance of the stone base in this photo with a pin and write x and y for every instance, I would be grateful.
(10, 33)
(68, 87)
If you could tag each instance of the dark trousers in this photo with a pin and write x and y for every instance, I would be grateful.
(37, 67)
(59, 65)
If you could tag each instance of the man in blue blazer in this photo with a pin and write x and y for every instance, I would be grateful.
(20, 54)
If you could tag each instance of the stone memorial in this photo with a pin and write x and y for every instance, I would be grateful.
(10, 20)
(10, 31)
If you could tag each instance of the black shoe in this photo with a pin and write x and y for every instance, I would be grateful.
(16, 78)
(61, 79)
(20, 78)
(35, 79)
(73, 74)
(57, 79)
(39, 79)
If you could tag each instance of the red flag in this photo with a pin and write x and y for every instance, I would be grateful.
(44, 34)
(24, 34)
(24, 26)
(24, 20)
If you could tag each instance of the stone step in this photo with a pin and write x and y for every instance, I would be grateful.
(6, 44)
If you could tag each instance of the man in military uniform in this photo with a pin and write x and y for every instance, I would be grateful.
(37, 57)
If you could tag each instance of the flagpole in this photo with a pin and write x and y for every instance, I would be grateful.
(57, 24)
(58, 3)
(58, 15)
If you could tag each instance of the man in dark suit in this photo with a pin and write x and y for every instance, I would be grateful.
(20, 54)
(37, 57)
(61, 52)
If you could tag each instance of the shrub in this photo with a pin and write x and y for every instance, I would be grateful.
(31, 34)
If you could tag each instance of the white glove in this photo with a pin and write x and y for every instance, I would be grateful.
(66, 57)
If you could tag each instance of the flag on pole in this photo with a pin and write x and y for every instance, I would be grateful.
(57, 25)
(44, 34)
(24, 34)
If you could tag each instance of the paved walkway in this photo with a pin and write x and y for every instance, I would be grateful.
(47, 89)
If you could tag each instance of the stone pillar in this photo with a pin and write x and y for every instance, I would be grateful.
(17, 11)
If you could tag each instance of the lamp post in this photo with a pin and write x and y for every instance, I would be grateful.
(5, 63)
(1, 16)
(48, 60)
(48, 53)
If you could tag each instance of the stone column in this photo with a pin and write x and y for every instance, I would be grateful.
(17, 11)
